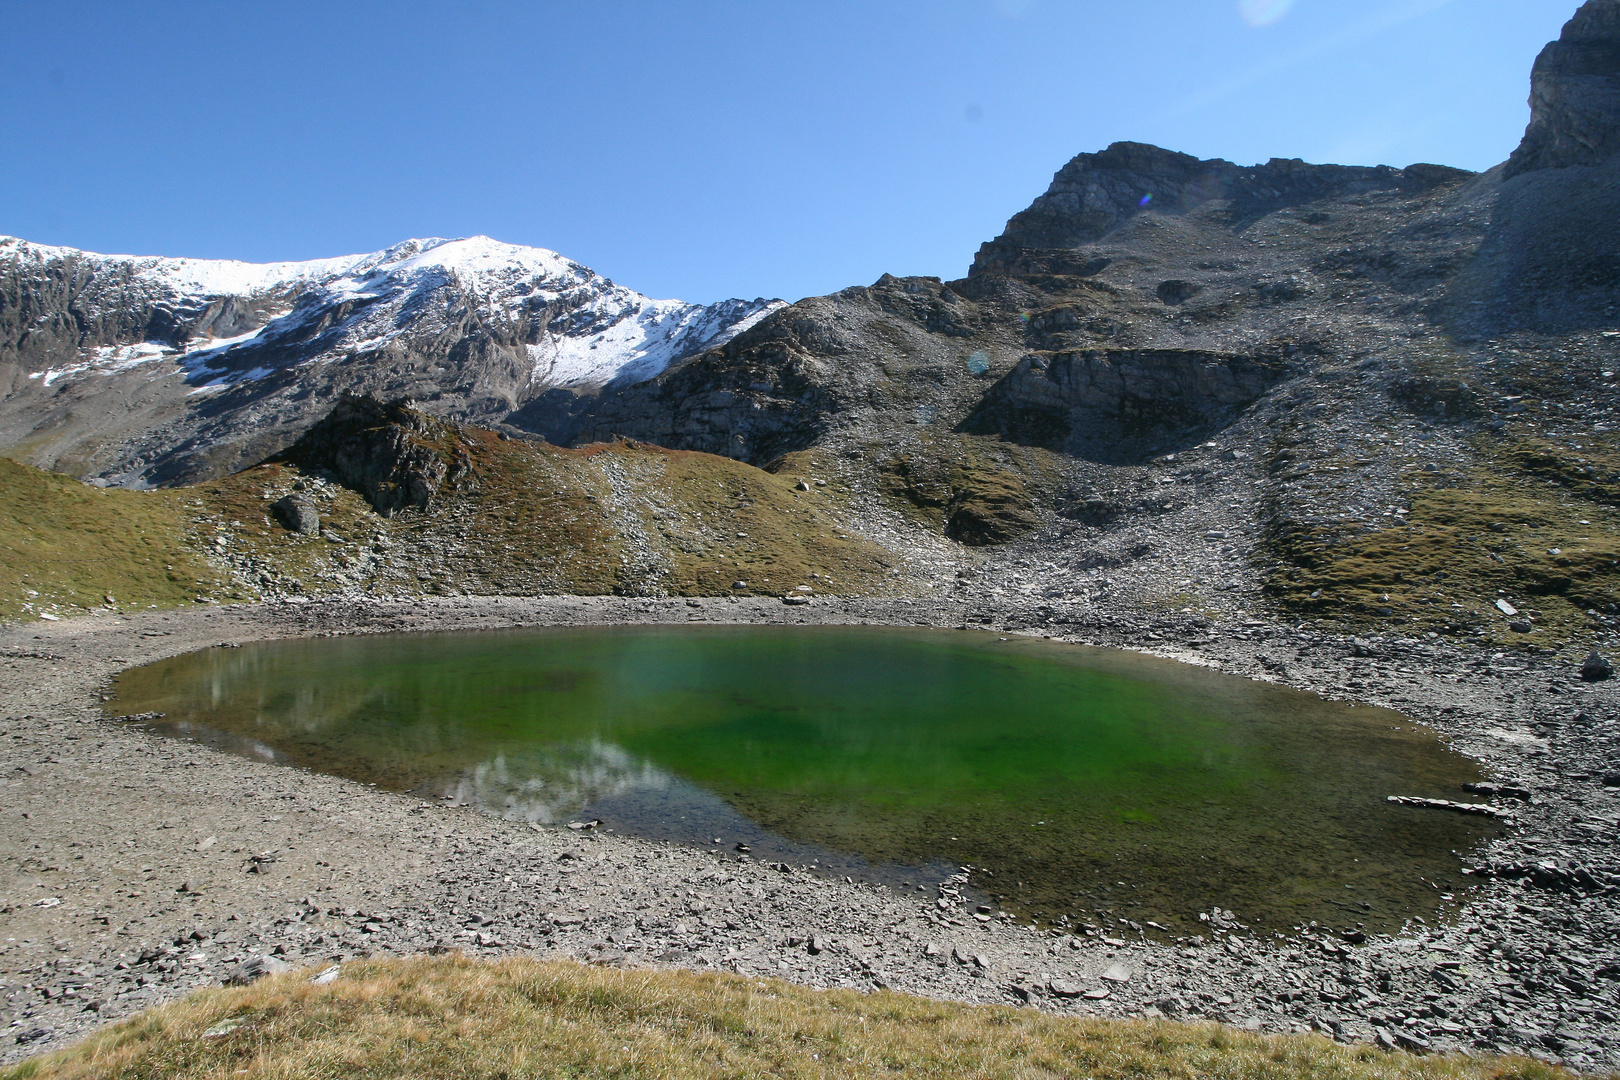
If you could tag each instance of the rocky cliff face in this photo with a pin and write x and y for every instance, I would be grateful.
(1102, 322)
(166, 370)
(896, 347)
(1575, 95)
(1550, 260)
(1122, 405)
(1095, 194)
(394, 455)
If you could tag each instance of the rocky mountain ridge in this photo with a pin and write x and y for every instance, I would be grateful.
(144, 370)
(1376, 394)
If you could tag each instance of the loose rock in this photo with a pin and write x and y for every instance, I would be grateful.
(297, 514)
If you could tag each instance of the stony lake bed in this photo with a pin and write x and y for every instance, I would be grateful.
(137, 866)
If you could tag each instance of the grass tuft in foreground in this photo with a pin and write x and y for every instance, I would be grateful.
(450, 1017)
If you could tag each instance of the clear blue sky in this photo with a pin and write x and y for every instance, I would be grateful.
(702, 149)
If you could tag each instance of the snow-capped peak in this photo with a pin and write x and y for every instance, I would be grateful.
(574, 328)
(472, 255)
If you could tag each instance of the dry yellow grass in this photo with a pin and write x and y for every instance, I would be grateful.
(450, 1017)
(65, 547)
(612, 518)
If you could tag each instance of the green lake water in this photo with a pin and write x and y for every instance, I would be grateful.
(1095, 784)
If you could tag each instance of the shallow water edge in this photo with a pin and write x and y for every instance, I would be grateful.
(112, 786)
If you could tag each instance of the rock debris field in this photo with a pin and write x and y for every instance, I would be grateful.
(134, 868)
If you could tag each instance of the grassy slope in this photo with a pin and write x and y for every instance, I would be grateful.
(65, 547)
(1529, 523)
(610, 518)
(613, 518)
(977, 489)
(1535, 520)
(449, 1017)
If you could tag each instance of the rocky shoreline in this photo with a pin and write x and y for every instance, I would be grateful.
(137, 867)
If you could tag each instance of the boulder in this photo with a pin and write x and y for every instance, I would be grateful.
(255, 968)
(1596, 667)
(297, 514)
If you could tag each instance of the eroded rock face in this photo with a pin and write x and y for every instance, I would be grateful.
(782, 384)
(754, 400)
(1575, 95)
(1115, 405)
(1550, 261)
(397, 457)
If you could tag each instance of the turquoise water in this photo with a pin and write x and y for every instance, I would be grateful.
(1090, 784)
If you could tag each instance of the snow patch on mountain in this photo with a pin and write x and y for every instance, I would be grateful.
(190, 277)
(577, 328)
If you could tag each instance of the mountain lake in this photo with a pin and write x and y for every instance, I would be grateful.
(1080, 785)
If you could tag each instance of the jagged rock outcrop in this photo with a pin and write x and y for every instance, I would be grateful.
(1575, 95)
(1550, 259)
(1102, 322)
(1096, 193)
(395, 455)
(891, 347)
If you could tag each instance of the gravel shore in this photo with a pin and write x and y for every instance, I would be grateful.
(137, 867)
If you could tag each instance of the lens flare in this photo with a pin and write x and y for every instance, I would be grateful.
(1145, 199)
(1263, 12)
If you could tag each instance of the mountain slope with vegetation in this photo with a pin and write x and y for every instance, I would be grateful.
(1381, 399)
(524, 518)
